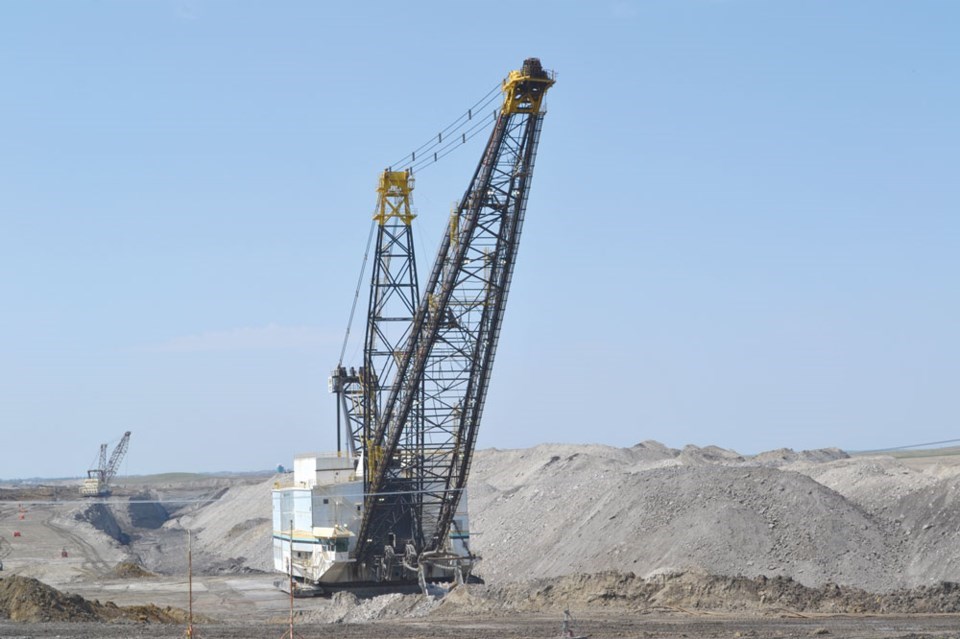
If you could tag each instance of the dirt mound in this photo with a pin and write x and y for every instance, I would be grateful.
(626, 592)
(149, 614)
(709, 455)
(929, 520)
(27, 600)
(346, 607)
(130, 570)
(784, 456)
(241, 515)
(874, 483)
(817, 517)
(543, 514)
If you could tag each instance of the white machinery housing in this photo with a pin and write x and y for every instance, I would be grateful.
(315, 522)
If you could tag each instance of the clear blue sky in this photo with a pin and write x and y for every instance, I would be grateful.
(743, 228)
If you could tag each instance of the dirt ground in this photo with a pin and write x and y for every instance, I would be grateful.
(781, 544)
(665, 626)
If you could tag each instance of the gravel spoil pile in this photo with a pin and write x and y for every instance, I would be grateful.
(346, 607)
(816, 517)
(237, 528)
(929, 522)
(874, 483)
(618, 594)
(130, 570)
(25, 599)
(688, 591)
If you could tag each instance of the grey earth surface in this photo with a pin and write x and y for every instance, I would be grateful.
(645, 541)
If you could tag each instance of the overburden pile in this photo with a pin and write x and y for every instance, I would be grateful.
(27, 600)
(619, 592)
(817, 517)
(821, 517)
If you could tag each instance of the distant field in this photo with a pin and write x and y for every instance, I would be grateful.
(124, 483)
(180, 478)
(926, 452)
(161, 478)
(912, 453)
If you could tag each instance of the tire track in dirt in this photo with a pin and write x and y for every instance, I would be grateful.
(93, 564)
(5, 547)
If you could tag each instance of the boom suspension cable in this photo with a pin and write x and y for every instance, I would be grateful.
(447, 137)
(431, 151)
(469, 134)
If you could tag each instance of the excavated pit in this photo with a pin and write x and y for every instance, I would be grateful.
(146, 512)
(101, 517)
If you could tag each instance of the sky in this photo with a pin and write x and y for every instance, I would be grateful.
(742, 230)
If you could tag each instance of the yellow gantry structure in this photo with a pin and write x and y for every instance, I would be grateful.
(523, 90)
(393, 200)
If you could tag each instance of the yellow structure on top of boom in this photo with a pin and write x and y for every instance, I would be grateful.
(394, 191)
(523, 90)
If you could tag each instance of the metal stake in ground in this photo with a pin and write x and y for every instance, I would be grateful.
(190, 633)
(289, 633)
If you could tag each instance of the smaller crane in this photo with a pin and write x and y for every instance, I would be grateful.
(97, 483)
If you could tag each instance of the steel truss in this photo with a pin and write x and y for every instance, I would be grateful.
(427, 432)
(394, 291)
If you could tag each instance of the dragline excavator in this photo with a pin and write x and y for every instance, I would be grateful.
(388, 508)
(97, 483)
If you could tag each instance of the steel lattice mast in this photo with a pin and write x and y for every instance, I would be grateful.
(429, 424)
(394, 291)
